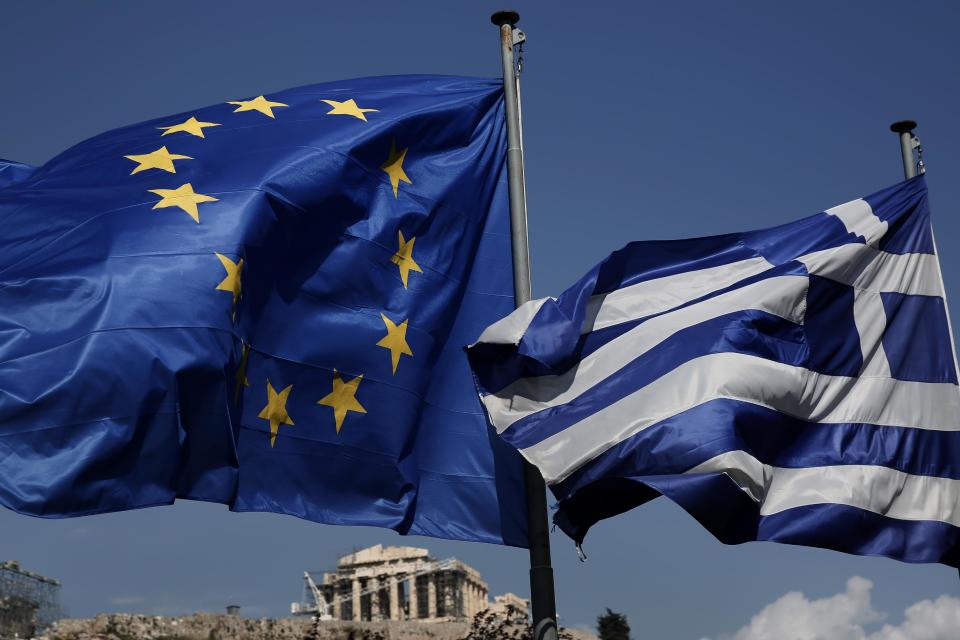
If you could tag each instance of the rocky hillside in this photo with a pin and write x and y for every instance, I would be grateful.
(205, 626)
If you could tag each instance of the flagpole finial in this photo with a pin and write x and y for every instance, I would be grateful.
(507, 16)
(903, 126)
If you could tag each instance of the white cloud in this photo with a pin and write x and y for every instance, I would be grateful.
(845, 615)
(926, 620)
(839, 617)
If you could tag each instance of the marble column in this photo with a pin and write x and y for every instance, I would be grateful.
(376, 602)
(356, 599)
(394, 598)
(456, 598)
(432, 595)
(337, 602)
(413, 598)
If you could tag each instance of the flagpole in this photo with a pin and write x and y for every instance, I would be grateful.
(542, 598)
(904, 128)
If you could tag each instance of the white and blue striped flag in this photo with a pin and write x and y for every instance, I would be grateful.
(795, 384)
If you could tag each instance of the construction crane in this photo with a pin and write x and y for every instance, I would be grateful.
(313, 601)
(320, 606)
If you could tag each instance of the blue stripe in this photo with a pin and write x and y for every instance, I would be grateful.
(831, 330)
(647, 260)
(687, 439)
(730, 515)
(862, 532)
(749, 332)
(650, 259)
(787, 242)
(552, 343)
(727, 512)
(905, 208)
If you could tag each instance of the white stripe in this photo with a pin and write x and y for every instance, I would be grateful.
(882, 490)
(791, 390)
(864, 267)
(783, 296)
(858, 217)
(871, 319)
(661, 294)
(510, 329)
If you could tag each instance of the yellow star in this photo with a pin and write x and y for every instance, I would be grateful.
(403, 258)
(276, 410)
(241, 375)
(395, 340)
(232, 282)
(260, 104)
(348, 108)
(343, 398)
(159, 159)
(394, 167)
(191, 126)
(183, 197)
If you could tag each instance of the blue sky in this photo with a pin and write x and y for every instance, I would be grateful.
(642, 121)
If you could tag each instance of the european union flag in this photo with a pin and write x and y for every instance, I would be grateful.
(263, 303)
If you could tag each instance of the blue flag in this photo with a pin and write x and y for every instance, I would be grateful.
(263, 303)
(796, 384)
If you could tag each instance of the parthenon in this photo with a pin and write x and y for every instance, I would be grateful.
(401, 583)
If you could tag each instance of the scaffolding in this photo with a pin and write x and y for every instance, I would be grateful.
(29, 602)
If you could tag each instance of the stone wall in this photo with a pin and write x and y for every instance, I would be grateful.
(206, 626)
(200, 626)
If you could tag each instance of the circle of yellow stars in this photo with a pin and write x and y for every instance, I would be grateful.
(342, 398)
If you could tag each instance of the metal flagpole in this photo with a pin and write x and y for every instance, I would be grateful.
(541, 572)
(908, 142)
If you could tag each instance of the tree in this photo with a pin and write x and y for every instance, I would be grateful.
(613, 626)
(514, 624)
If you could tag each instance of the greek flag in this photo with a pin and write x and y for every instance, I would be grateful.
(795, 384)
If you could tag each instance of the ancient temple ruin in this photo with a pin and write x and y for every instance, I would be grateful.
(396, 583)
